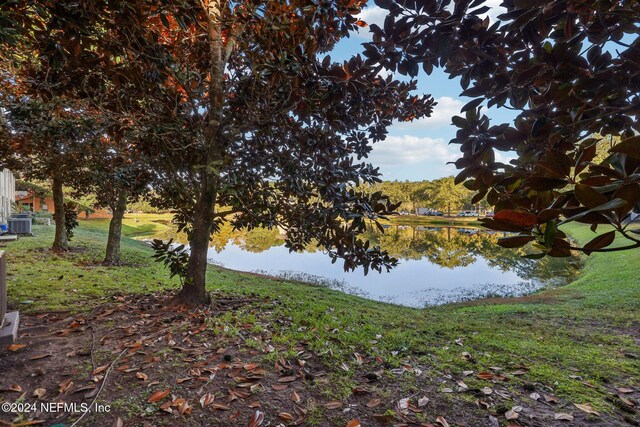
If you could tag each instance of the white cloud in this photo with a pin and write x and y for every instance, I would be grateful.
(371, 15)
(408, 149)
(385, 73)
(446, 108)
(496, 10)
(502, 157)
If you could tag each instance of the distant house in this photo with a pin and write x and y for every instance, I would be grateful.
(35, 198)
(7, 194)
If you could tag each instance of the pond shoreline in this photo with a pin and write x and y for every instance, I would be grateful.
(439, 263)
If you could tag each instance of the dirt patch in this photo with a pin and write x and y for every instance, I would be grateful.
(158, 366)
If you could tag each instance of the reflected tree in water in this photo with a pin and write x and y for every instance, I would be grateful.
(447, 247)
(452, 247)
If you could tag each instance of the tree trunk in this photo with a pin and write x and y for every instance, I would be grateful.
(193, 290)
(60, 242)
(112, 255)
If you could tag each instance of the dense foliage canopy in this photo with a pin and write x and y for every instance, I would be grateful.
(232, 105)
(569, 70)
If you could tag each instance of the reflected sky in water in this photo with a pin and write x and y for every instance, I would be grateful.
(437, 265)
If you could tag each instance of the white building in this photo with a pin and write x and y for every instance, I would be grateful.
(7, 194)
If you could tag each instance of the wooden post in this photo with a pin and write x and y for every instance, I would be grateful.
(8, 321)
(3, 288)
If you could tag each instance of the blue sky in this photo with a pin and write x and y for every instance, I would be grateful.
(418, 150)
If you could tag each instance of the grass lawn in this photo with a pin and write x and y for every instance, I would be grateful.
(417, 220)
(535, 356)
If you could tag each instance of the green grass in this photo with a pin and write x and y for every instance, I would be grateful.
(417, 220)
(587, 329)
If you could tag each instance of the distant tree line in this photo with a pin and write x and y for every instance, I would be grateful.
(440, 194)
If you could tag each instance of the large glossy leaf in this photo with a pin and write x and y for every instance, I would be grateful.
(600, 242)
(516, 217)
(589, 196)
(515, 241)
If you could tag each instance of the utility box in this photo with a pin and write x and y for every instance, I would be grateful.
(20, 225)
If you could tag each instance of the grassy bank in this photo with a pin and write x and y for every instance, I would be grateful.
(417, 220)
(578, 343)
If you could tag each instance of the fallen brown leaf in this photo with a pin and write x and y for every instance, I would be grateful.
(360, 390)
(586, 408)
(278, 387)
(27, 423)
(40, 356)
(285, 416)
(16, 347)
(39, 393)
(100, 369)
(256, 419)
(627, 402)
(563, 417)
(65, 386)
(207, 399)
(511, 415)
(220, 407)
(184, 408)
(158, 396)
(333, 404)
(485, 375)
(373, 402)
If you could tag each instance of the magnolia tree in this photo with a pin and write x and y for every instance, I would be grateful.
(48, 140)
(116, 175)
(48, 130)
(247, 120)
(61, 56)
(571, 72)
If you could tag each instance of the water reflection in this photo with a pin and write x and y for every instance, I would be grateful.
(437, 264)
(453, 247)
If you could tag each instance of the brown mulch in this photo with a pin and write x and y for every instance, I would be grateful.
(154, 365)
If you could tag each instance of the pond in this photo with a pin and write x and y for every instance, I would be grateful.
(436, 265)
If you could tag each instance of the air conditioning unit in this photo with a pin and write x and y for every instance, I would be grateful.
(20, 225)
